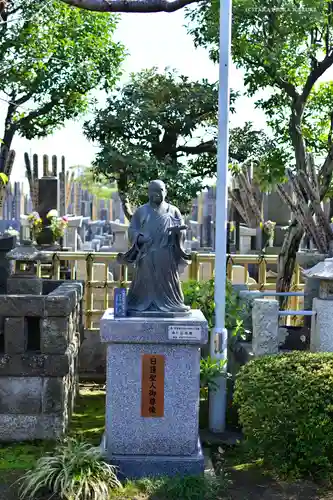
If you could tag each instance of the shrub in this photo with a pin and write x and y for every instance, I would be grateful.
(210, 370)
(286, 411)
(74, 470)
(200, 295)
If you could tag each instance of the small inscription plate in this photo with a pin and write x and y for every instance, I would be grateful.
(152, 392)
(184, 332)
(120, 303)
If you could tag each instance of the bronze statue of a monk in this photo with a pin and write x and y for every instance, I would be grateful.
(156, 233)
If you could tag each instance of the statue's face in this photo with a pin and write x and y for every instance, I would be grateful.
(156, 193)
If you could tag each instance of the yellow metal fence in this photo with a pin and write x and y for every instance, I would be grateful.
(99, 291)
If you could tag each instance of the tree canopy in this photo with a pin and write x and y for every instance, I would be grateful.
(51, 58)
(95, 184)
(285, 47)
(158, 125)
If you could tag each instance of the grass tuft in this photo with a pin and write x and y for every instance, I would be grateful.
(74, 470)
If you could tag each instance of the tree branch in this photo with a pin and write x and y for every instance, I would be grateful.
(325, 174)
(39, 112)
(203, 147)
(138, 6)
(314, 75)
(23, 99)
(288, 87)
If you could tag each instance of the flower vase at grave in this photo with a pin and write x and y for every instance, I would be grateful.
(46, 237)
(267, 240)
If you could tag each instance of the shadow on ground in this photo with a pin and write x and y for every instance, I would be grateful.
(253, 485)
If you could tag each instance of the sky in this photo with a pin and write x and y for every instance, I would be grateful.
(151, 40)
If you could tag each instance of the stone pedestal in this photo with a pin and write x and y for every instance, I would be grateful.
(152, 431)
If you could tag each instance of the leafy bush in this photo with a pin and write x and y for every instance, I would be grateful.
(210, 369)
(200, 295)
(286, 411)
(74, 470)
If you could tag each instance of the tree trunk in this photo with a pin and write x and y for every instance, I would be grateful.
(122, 186)
(8, 136)
(287, 256)
(5, 148)
(126, 205)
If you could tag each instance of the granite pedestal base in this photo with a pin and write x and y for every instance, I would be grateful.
(167, 444)
(150, 466)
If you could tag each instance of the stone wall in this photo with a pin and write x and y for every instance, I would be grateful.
(39, 361)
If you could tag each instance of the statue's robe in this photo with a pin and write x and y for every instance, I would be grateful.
(156, 284)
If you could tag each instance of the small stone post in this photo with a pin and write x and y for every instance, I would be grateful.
(6, 244)
(265, 319)
(322, 322)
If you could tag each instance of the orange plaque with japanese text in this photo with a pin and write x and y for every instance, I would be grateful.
(152, 391)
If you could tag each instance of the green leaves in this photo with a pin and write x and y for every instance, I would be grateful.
(51, 59)
(74, 469)
(210, 370)
(3, 178)
(284, 47)
(97, 184)
(149, 129)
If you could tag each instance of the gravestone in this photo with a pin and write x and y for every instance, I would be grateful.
(74, 223)
(47, 200)
(62, 188)
(119, 230)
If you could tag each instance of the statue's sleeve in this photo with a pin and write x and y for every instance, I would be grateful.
(134, 229)
(179, 216)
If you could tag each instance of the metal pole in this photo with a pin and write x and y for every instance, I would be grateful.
(218, 342)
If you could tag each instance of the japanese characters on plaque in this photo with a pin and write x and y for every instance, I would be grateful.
(176, 332)
(120, 310)
(152, 396)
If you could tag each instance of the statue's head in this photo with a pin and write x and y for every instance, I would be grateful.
(156, 192)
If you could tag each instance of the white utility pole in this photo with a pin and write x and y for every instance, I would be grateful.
(218, 344)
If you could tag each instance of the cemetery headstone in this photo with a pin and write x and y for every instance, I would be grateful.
(47, 200)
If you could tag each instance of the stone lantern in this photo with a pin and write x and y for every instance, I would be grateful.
(322, 321)
(24, 279)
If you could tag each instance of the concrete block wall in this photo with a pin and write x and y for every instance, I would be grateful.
(39, 362)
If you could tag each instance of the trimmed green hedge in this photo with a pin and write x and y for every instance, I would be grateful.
(286, 410)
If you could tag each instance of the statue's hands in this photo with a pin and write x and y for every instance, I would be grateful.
(143, 239)
(177, 229)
